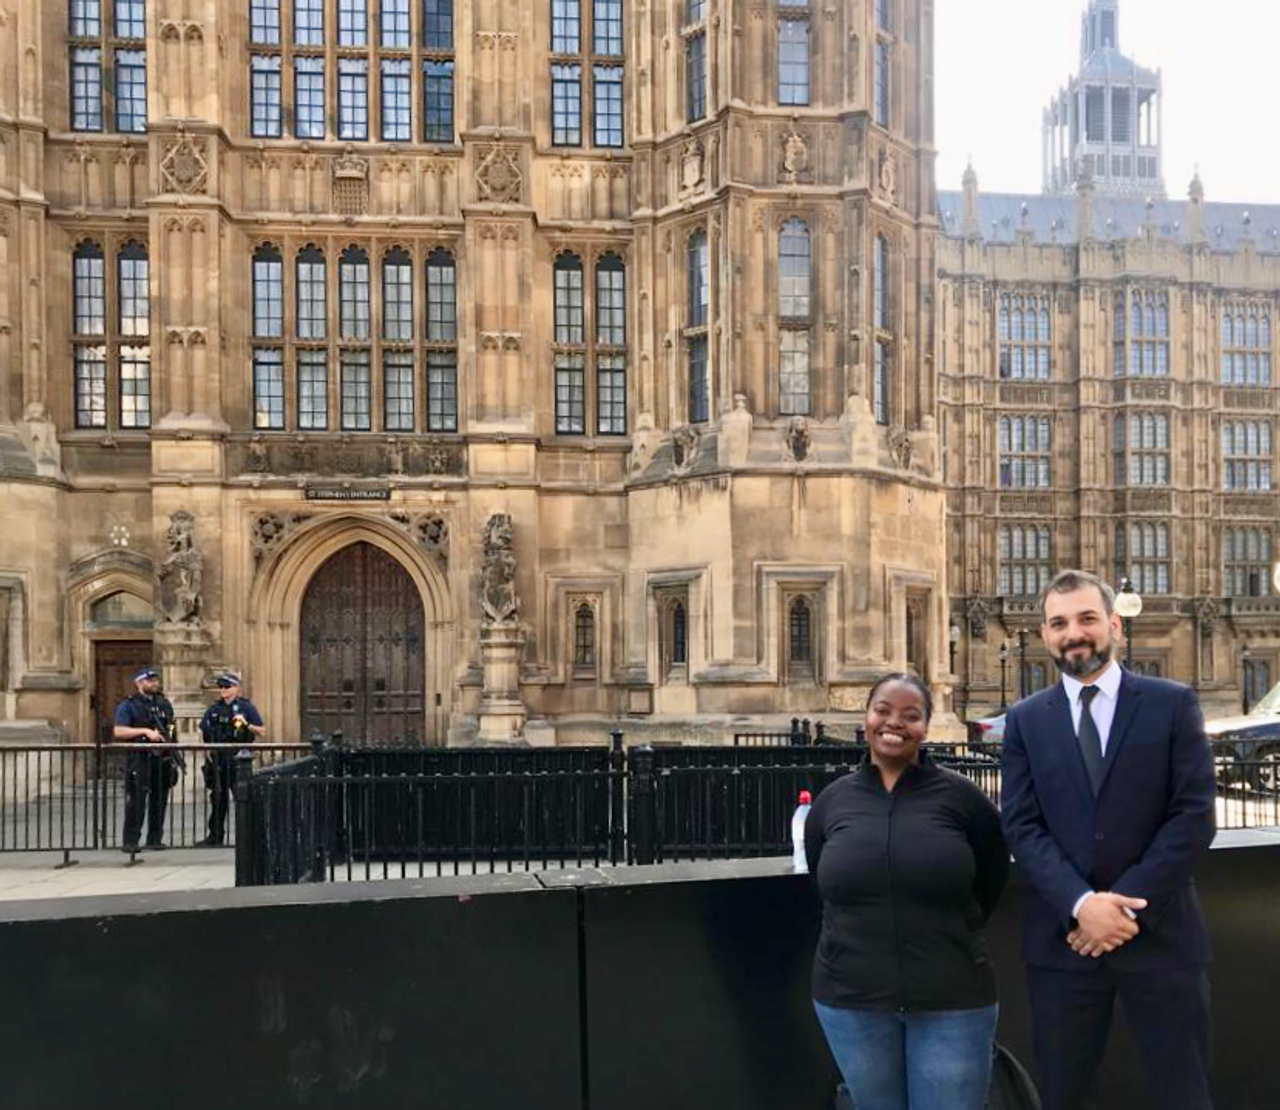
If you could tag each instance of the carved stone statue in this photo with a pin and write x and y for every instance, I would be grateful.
(976, 612)
(795, 156)
(684, 447)
(799, 438)
(901, 447)
(1209, 612)
(181, 572)
(498, 571)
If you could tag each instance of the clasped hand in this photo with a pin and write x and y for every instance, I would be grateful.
(1103, 924)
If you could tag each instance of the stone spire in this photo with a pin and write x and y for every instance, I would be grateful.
(1084, 206)
(1195, 210)
(972, 227)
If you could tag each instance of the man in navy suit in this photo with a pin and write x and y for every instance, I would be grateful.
(1108, 800)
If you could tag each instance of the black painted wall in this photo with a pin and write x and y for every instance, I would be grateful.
(470, 994)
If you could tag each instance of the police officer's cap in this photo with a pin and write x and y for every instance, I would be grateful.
(145, 673)
(229, 679)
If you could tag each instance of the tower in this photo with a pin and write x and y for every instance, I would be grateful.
(1109, 117)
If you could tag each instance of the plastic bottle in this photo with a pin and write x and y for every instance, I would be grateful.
(799, 864)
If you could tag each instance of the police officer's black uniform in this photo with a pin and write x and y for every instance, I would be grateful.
(218, 726)
(148, 775)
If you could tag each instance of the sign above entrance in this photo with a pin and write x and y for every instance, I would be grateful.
(344, 493)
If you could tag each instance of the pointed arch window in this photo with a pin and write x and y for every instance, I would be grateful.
(1247, 562)
(133, 271)
(679, 635)
(1145, 558)
(584, 640)
(312, 304)
(353, 293)
(611, 342)
(397, 296)
(793, 57)
(268, 293)
(120, 343)
(795, 277)
(800, 634)
(699, 287)
(1246, 344)
(570, 356)
(89, 290)
(108, 77)
(442, 337)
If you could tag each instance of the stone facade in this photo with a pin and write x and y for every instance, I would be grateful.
(1073, 434)
(310, 300)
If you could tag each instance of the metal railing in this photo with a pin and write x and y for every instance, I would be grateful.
(72, 798)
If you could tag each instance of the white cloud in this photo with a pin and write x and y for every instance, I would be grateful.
(999, 61)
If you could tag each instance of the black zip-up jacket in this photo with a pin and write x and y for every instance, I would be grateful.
(908, 880)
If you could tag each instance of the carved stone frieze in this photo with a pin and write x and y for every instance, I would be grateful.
(271, 529)
(351, 183)
(1208, 612)
(429, 530)
(419, 457)
(1026, 504)
(498, 571)
(795, 159)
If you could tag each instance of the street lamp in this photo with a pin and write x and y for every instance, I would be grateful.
(1128, 606)
(955, 643)
(1245, 654)
(1022, 663)
(1004, 675)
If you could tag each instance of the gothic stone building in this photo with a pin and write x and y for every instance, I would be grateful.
(447, 363)
(1109, 399)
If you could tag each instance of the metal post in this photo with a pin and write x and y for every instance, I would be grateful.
(1245, 655)
(820, 733)
(1004, 676)
(99, 801)
(795, 732)
(246, 845)
(1022, 663)
(319, 801)
(1128, 643)
(806, 732)
(644, 801)
(617, 797)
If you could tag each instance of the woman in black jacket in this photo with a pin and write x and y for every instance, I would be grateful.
(910, 862)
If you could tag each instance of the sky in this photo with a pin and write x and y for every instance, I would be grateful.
(999, 62)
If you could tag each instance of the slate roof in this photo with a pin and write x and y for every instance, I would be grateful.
(1052, 219)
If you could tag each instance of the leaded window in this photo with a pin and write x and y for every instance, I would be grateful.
(880, 294)
(86, 18)
(882, 78)
(1025, 336)
(566, 26)
(568, 300)
(396, 100)
(353, 294)
(264, 22)
(397, 390)
(1247, 562)
(313, 390)
(442, 296)
(134, 285)
(353, 27)
(608, 105)
(86, 89)
(607, 26)
(131, 19)
(795, 271)
(611, 394)
(1143, 455)
(697, 266)
(353, 98)
(611, 302)
(394, 24)
(308, 97)
(1142, 334)
(699, 280)
(584, 638)
(793, 60)
(312, 301)
(1026, 452)
(1025, 560)
(1246, 456)
(91, 387)
(794, 376)
(437, 92)
(308, 22)
(442, 391)
(1246, 344)
(880, 381)
(571, 394)
(437, 26)
(356, 391)
(135, 387)
(800, 634)
(566, 105)
(268, 293)
(89, 290)
(131, 91)
(268, 388)
(264, 96)
(699, 381)
(397, 296)
(695, 77)
(1143, 556)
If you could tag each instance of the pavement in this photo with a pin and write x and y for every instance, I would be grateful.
(25, 875)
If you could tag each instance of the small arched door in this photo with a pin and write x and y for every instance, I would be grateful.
(363, 656)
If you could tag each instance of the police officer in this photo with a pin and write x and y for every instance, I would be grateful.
(232, 719)
(146, 717)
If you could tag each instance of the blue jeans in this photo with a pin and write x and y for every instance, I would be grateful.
(933, 1060)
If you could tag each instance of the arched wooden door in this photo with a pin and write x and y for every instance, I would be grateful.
(363, 656)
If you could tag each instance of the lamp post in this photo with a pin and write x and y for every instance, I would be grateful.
(955, 644)
(1244, 678)
(1004, 675)
(1128, 606)
(1022, 663)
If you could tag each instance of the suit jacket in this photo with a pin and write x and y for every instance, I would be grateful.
(1140, 836)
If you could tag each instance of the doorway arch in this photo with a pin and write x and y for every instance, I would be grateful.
(362, 651)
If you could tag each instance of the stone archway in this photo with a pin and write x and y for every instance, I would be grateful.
(275, 606)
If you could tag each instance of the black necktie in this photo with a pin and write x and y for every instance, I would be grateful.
(1090, 741)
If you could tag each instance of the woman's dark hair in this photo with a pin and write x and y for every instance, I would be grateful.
(915, 681)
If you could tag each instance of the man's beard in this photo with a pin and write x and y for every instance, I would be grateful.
(1083, 667)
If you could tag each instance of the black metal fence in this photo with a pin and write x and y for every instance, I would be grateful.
(71, 798)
